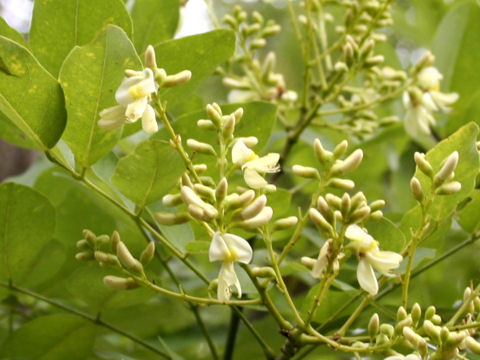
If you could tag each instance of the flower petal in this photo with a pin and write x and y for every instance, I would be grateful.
(136, 109)
(265, 164)
(122, 95)
(226, 279)
(383, 261)
(149, 123)
(241, 153)
(254, 179)
(240, 247)
(218, 248)
(366, 277)
(321, 262)
(361, 240)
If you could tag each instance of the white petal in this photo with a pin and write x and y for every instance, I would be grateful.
(149, 123)
(122, 95)
(429, 78)
(366, 277)
(110, 124)
(226, 279)
(321, 262)
(254, 179)
(260, 219)
(361, 240)
(241, 153)
(241, 96)
(148, 84)
(239, 246)
(265, 164)
(383, 261)
(113, 112)
(444, 100)
(218, 248)
(428, 103)
(136, 109)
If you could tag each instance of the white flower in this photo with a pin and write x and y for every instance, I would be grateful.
(370, 257)
(133, 97)
(424, 100)
(228, 249)
(253, 165)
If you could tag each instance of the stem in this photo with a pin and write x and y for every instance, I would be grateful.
(86, 316)
(463, 308)
(232, 332)
(354, 315)
(206, 334)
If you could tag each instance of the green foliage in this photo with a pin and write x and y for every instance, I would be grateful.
(149, 173)
(58, 26)
(42, 118)
(89, 77)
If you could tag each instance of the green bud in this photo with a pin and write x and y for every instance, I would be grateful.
(387, 329)
(127, 260)
(346, 204)
(201, 147)
(401, 313)
(430, 312)
(381, 339)
(228, 128)
(90, 237)
(344, 184)
(147, 253)
(376, 215)
(264, 272)
(258, 43)
(375, 60)
(333, 201)
(178, 78)
(340, 149)
(416, 189)
(234, 201)
(214, 113)
(106, 259)
(322, 155)
(446, 170)
(103, 239)
(206, 124)
(359, 200)
(230, 20)
(416, 313)
(166, 218)
(271, 30)
(115, 238)
(150, 60)
(449, 188)
(221, 190)
(172, 200)
(285, 223)
(118, 283)
(349, 164)
(84, 256)
(83, 244)
(360, 214)
(319, 220)
(254, 208)
(308, 262)
(472, 344)
(436, 319)
(455, 338)
(306, 172)
(373, 325)
(324, 208)
(432, 330)
(402, 324)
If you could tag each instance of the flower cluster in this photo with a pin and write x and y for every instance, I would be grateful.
(422, 100)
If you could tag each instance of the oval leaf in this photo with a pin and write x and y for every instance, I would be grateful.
(90, 76)
(149, 173)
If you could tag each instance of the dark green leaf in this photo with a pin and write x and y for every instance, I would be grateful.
(58, 26)
(468, 217)
(149, 173)
(29, 96)
(198, 247)
(463, 141)
(154, 21)
(53, 337)
(387, 234)
(90, 76)
(27, 222)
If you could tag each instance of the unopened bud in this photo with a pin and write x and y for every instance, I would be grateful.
(376, 215)
(430, 312)
(324, 208)
(455, 338)
(201, 147)
(360, 214)
(254, 208)
(84, 256)
(147, 253)
(166, 218)
(258, 43)
(349, 164)
(322, 155)
(377, 205)
(449, 188)
(341, 67)
(412, 337)
(375, 60)
(214, 114)
(348, 53)
(249, 141)
(172, 200)
(373, 325)
(107, 259)
(228, 127)
(233, 202)
(178, 78)
(205, 191)
(306, 172)
(90, 237)
(319, 220)
(402, 324)
(285, 223)
(221, 190)
(150, 60)
(230, 20)
(259, 220)
(401, 313)
(436, 319)
(271, 30)
(446, 170)
(263, 272)
(333, 201)
(416, 313)
(340, 149)
(118, 283)
(426, 60)
(127, 260)
(472, 344)
(83, 245)
(416, 189)
(115, 240)
(444, 333)
(237, 114)
(344, 184)
(387, 329)
(206, 124)
(432, 330)
(308, 262)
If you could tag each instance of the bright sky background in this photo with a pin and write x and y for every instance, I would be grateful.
(194, 17)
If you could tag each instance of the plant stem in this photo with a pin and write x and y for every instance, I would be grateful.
(86, 316)
(232, 332)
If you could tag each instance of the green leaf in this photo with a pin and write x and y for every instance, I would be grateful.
(456, 37)
(27, 223)
(29, 96)
(53, 337)
(149, 173)
(11, 33)
(154, 21)
(58, 26)
(463, 141)
(90, 76)
(387, 233)
(198, 247)
(468, 217)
